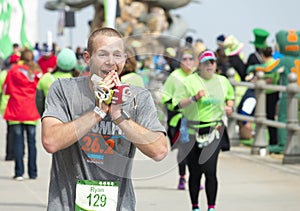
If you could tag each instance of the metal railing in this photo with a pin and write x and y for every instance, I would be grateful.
(292, 148)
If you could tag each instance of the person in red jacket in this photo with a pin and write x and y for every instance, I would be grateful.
(21, 112)
(48, 60)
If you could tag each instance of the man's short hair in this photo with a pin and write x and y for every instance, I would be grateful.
(106, 31)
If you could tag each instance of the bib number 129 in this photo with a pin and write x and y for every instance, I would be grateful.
(97, 200)
(94, 195)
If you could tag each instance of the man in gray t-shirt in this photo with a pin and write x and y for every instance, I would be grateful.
(93, 140)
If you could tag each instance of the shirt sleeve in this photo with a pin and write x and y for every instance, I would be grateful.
(181, 92)
(147, 114)
(56, 103)
(230, 90)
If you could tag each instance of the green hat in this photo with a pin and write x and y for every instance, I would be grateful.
(261, 36)
(66, 59)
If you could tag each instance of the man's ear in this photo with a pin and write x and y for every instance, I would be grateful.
(86, 57)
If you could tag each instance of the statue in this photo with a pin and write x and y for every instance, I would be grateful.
(288, 42)
(136, 19)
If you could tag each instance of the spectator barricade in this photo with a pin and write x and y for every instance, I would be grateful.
(259, 146)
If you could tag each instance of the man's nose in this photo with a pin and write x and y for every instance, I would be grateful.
(110, 60)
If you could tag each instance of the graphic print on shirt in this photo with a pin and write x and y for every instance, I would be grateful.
(105, 145)
(94, 147)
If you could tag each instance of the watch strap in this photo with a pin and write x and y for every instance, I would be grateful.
(98, 111)
(124, 116)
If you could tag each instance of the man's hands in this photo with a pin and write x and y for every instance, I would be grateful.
(103, 88)
(110, 93)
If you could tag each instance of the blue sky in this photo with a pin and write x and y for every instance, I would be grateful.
(207, 20)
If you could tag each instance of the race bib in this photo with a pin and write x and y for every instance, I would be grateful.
(94, 195)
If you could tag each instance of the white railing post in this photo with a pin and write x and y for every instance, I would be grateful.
(231, 127)
(260, 144)
(292, 149)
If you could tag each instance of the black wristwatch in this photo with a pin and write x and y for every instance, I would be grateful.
(124, 116)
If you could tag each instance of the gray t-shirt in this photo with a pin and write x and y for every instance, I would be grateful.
(102, 154)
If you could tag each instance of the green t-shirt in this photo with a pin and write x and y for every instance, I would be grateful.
(209, 108)
(168, 92)
(175, 79)
(48, 78)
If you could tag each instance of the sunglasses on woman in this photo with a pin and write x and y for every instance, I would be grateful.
(187, 58)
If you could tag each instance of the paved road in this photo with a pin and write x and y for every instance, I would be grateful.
(246, 183)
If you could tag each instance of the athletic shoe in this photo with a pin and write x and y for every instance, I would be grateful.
(211, 209)
(18, 178)
(181, 185)
(196, 209)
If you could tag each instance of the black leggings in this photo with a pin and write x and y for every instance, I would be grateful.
(183, 151)
(209, 168)
(181, 167)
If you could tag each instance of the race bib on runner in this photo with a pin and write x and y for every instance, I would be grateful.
(94, 195)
